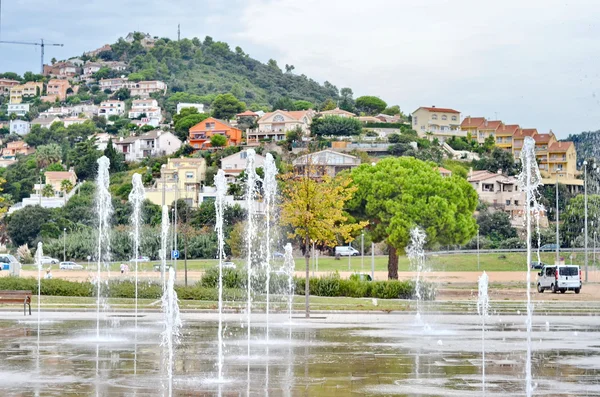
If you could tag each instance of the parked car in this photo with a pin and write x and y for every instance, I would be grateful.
(548, 247)
(277, 255)
(561, 278)
(537, 265)
(10, 263)
(346, 251)
(141, 259)
(229, 265)
(46, 260)
(69, 266)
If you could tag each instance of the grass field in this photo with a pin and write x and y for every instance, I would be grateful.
(447, 263)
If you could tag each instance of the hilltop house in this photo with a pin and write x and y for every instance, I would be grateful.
(111, 107)
(200, 134)
(434, 122)
(236, 163)
(5, 85)
(19, 127)
(325, 162)
(276, 124)
(56, 89)
(337, 112)
(151, 144)
(55, 178)
(20, 109)
(146, 111)
(30, 89)
(181, 178)
(15, 148)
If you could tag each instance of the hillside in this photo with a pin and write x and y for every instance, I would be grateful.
(211, 67)
(587, 144)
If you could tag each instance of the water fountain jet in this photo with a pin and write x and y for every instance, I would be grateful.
(221, 185)
(483, 304)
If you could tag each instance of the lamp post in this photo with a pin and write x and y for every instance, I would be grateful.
(164, 176)
(362, 251)
(477, 248)
(372, 261)
(557, 218)
(64, 244)
(585, 227)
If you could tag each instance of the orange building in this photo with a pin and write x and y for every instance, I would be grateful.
(200, 133)
(56, 89)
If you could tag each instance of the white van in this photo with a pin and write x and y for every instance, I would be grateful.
(561, 278)
(346, 251)
(11, 264)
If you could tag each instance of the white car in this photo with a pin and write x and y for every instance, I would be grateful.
(561, 278)
(141, 259)
(69, 266)
(46, 260)
(229, 265)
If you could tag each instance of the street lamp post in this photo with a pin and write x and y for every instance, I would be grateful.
(362, 251)
(585, 228)
(556, 219)
(372, 261)
(65, 244)
(477, 248)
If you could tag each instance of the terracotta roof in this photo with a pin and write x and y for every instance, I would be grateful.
(441, 110)
(525, 132)
(472, 122)
(559, 146)
(542, 138)
(337, 111)
(296, 114)
(16, 144)
(508, 129)
(246, 113)
(478, 176)
(491, 125)
(443, 170)
(59, 174)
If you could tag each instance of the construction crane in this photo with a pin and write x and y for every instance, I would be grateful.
(41, 44)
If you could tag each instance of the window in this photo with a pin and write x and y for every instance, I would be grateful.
(189, 175)
(415, 120)
(516, 202)
(444, 117)
(244, 155)
(210, 126)
(507, 202)
(487, 187)
(549, 272)
(278, 119)
(434, 117)
(422, 128)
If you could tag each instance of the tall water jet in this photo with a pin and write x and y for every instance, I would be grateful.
(171, 334)
(529, 180)
(164, 239)
(104, 211)
(221, 185)
(251, 179)
(416, 256)
(39, 253)
(270, 191)
(289, 267)
(136, 198)
(483, 304)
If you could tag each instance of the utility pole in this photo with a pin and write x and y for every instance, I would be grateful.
(175, 228)
(585, 228)
(557, 230)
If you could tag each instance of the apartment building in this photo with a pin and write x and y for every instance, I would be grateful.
(151, 144)
(181, 179)
(28, 90)
(139, 88)
(20, 109)
(504, 135)
(62, 70)
(56, 89)
(111, 107)
(434, 122)
(5, 85)
(19, 127)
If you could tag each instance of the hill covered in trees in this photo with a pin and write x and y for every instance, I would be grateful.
(587, 144)
(209, 67)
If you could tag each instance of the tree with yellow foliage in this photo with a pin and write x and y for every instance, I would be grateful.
(314, 207)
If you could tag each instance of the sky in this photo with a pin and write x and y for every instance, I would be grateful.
(533, 63)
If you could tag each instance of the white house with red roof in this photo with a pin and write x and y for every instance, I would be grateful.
(434, 122)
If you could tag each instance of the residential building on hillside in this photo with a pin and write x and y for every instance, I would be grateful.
(15, 148)
(93, 53)
(19, 127)
(276, 124)
(56, 89)
(145, 88)
(63, 70)
(489, 128)
(45, 122)
(337, 112)
(20, 109)
(368, 119)
(470, 126)
(445, 173)
(68, 121)
(325, 162)
(30, 89)
(198, 106)
(5, 85)
(504, 135)
(385, 118)
(145, 112)
(200, 134)
(147, 41)
(102, 139)
(519, 139)
(180, 179)
(55, 179)
(434, 122)
(113, 84)
(151, 144)
(111, 107)
(236, 163)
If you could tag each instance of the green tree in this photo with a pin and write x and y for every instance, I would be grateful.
(329, 104)
(284, 103)
(335, 125)
(370, 105)
(122, 94)
(218, 140)
(183, 125)
(548, 199)
(398, 194)
(347, 100)
(495, 225)
(314, 209)
(48, 191)
(24, 226)
(303, 105)
(66, 186)
(84, 157)
(392, 110)
(499, 159)
(48, 154)
(117, 159)
(226, 106)
(573, 220)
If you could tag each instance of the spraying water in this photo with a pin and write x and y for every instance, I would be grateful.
(270, 190)
(171, 334)
(221, 185)
(251, 179)
(164, 238)
(483, 304)
(529, 180)
(38, 260)
(288, 263)
(136, 198)
(104, 212)
(416, 256)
